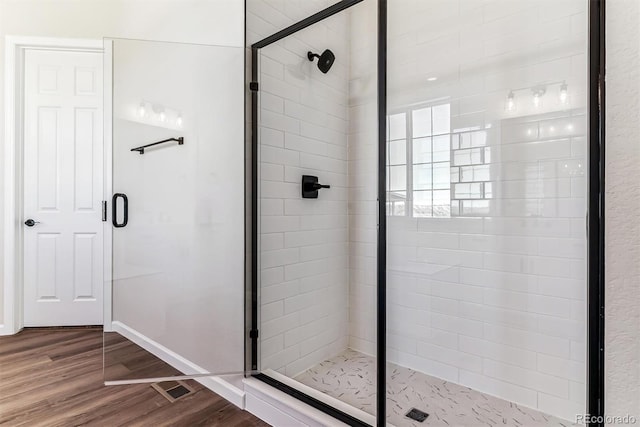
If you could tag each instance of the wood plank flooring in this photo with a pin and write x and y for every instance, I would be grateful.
(55, 378)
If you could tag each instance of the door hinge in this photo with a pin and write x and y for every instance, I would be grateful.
(253, 334)
(253, 86)
(104, 211)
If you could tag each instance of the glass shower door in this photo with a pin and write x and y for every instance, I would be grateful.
(486, 272)
(316, 174)
(177, 289)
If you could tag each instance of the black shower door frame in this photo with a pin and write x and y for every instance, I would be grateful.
(595, 219)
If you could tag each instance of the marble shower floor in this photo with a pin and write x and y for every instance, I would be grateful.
(350, 378)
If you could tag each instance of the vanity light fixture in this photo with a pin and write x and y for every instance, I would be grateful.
(155, 114)
(537, 93)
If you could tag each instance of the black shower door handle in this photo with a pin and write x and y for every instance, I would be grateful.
(114, 210)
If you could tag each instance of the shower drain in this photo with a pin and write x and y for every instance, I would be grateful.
(173, 390)
(417, 415)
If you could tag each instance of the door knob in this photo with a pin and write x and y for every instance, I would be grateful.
(31, 223)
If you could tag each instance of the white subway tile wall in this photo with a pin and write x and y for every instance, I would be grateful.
(493, 296)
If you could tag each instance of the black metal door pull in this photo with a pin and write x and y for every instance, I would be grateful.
(114, 210)
(31, 223)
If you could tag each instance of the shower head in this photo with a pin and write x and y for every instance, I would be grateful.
(325, 61)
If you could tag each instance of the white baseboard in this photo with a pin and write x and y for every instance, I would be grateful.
(213, 383)
(107, 327)
(5, 330)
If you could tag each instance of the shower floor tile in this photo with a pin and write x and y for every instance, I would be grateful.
(350, 377)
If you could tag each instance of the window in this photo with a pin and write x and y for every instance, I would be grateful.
(432, 171)
(397, 164)
(431, 156)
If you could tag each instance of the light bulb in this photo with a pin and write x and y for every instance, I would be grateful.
(537, 96)
(536, 100)
(511, 101)
(163, 116)
(142, 110)
(564, 93)
(179, 121)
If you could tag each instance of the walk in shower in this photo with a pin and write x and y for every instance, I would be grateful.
(465, 301)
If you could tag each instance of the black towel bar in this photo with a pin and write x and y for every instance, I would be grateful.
(140, 149)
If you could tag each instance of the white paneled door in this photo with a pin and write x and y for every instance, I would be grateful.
(63, 184)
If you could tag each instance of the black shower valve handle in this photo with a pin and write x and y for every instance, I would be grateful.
(310, 187)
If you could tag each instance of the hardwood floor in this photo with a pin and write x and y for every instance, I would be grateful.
(55, 378)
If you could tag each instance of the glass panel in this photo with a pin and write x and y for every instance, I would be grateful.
(397, 202)
(441, 119)
(441, 149)
(422, 203)
(468, 191)
(488, 190)
(486, 283)
(422, 150)
(465, 140)
(317, 255)
(475, 207)
(455, 175)
(471, 156)
(397, 126)
(398, 152)
(171, 309)
(456, 141)
(422, 179)
(398, 178)
(475, 173)
(441, 176)
(422, 122)
(442, 203)
(478, 139)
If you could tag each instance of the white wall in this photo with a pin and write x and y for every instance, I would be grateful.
(218, 22)
(622, 199)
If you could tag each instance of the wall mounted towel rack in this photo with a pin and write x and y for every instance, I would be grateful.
(140, 149)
